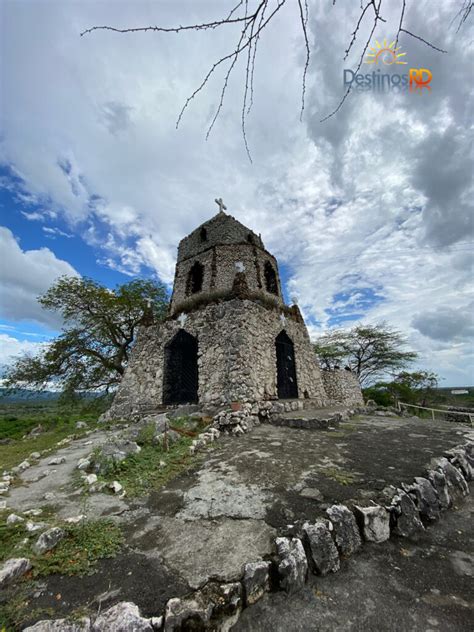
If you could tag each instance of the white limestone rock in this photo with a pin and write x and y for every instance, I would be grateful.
(90, 479)
(322, 551)
(347, 534)
(34, 456)
(83, 464)
(34, 526)
(425, 497)
(48, 540)
(12, 569)
(256, 581)
(123, 617)
(57, 460)
(456, 482)
(374, 522)
(61, 625)
(14, 519)
(293, 565)
(116, 487)
(405, 515)
(439, 482)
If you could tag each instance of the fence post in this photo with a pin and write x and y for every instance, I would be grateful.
(432, 414)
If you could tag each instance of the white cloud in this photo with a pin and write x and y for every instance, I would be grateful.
(24, 275)
(11, 347)
(368, 211)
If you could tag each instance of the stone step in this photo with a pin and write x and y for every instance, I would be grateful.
(310, 419)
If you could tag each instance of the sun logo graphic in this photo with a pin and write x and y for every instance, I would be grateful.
(385, 53)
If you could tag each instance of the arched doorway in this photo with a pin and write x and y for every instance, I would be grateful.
(180, 379)
(287, 387)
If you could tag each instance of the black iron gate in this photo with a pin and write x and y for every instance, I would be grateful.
(286, 368)
(180, 380)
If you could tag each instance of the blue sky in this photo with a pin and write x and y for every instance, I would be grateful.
(369, 214)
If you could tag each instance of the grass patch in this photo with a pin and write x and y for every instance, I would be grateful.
(77, 554)
(16, 612)
(340, 476)
(57, 422)
(154, 465)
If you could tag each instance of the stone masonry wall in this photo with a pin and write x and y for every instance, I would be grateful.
(342, 387)
(220, 269)
(236, 358)
(220, 229)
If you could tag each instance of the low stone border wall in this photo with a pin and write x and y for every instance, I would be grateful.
(318, 547)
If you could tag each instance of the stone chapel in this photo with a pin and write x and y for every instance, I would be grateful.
(228, 336)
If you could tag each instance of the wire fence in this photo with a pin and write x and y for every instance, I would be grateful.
(445, 412)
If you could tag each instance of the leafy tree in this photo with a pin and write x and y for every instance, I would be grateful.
(99, 329)
(417, 387)
(370, 351)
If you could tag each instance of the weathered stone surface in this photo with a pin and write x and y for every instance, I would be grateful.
(61, 625)
(117, 450)
(57, 460)
(292, 565)
(256, 581)
(425, 497)
(322, 552)
(374, 522)
(406, 517)
(456, 481)
(226, 600)
(81, 424)
(12, 569)
(346, 531)
(439, 482)
(123, 617)
(14, 519)
(90, 479)
(191, 613)
(457, 456)
(48, 540)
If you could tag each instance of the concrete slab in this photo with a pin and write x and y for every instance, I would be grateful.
(422, 585)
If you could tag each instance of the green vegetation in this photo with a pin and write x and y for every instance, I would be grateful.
(340, 476)
(57, 422)
(371, 351)
(77, 554)
(100, 326)
(156, 464)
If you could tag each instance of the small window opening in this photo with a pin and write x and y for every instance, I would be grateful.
(195, 279)
(203, 234)
(271, 279)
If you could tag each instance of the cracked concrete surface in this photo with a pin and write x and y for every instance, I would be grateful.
(208, 522)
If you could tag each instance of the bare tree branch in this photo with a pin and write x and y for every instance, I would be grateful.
(253, 22)
(346, 94)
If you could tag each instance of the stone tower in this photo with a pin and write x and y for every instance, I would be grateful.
(228, 337)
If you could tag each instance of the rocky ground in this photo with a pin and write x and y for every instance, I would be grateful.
(225, 511)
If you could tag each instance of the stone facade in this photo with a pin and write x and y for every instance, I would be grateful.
(342, 387)
(229, 335)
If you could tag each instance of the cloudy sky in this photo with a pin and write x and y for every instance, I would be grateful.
(368, 213)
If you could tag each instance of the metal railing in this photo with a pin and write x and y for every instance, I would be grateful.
(445, 412)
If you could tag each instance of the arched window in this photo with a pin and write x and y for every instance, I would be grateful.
(195, 279)
(270, 279)
(250, 238)
(203, 234)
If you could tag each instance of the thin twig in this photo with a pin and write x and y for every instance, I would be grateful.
(304, 20)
